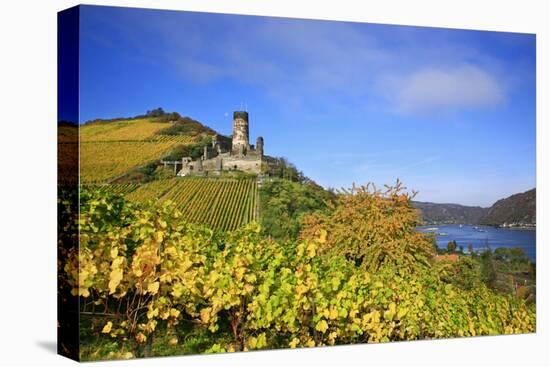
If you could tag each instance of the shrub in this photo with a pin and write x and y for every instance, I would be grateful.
(372, 228)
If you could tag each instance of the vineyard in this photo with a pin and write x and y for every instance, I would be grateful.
(101, 161)
(111, 149)
(117, 189)
(224, 204)
(130, 130)
(151, 284)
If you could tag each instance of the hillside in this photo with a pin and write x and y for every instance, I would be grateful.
(222, 203)
(516, 209)
(112, 148)
(433, 213)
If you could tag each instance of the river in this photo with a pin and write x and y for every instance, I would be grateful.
(481, 236)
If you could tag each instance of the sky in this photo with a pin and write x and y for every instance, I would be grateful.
(451, 113)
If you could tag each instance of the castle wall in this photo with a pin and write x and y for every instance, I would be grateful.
(224, 162)
(248, 164)
(241, 156)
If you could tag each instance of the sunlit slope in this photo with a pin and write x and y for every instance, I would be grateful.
(111, 149)
(221, 203)
(102, 161)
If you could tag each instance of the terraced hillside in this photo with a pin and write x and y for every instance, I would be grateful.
(221, 203)
(110, 149)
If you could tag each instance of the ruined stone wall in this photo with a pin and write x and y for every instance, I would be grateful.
(223, 162)
(247, 164)
(260, 146)
(219, 157)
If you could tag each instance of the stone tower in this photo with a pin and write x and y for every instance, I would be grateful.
(240, 144)
(260, 146)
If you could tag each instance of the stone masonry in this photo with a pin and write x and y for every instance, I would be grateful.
(241, 156)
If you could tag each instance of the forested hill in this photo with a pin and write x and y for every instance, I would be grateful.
(516, 209)
(449, 213)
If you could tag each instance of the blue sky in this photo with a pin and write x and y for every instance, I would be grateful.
(449, 112)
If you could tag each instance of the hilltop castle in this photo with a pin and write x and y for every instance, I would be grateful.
(220, 156)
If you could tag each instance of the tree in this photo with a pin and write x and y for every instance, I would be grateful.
(451, 246)
(284, 205)
(471, 249)
(155, 112)
(434, 242)
(282, 168)
(372, 228)
(488, 271)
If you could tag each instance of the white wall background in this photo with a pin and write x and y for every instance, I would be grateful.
(28, 180)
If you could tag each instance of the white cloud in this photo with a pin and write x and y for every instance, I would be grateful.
(435, 89)
(316, 63)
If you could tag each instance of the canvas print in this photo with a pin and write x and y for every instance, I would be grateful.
(231, 183)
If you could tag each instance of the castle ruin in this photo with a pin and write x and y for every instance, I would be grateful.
(218, 156)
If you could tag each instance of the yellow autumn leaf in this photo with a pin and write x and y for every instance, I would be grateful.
(311, 250)
(205, 315)
(171, 250)
(107, 328)
(174, 313)
(251, 342)
(153, 288)
(114, 280)
(84, 292)
(117, 262)
(152, 313)
(321, 326)
(390, 313)
(141, 338)
(322, 236)
(159, 236)
(261, 341)
(301, 289)
(173, 341)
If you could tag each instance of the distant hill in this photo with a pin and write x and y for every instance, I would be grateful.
(516, 209)
(433, 213)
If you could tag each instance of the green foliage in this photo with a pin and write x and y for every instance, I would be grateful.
(280, 167)
(532, 271)
(488, 271)
(149, 169)
(176, 129)
(284, 205)
(465, 272)
(183, 126)
(512, 259)
(451, 246)
(194, 151)
(156, 112)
